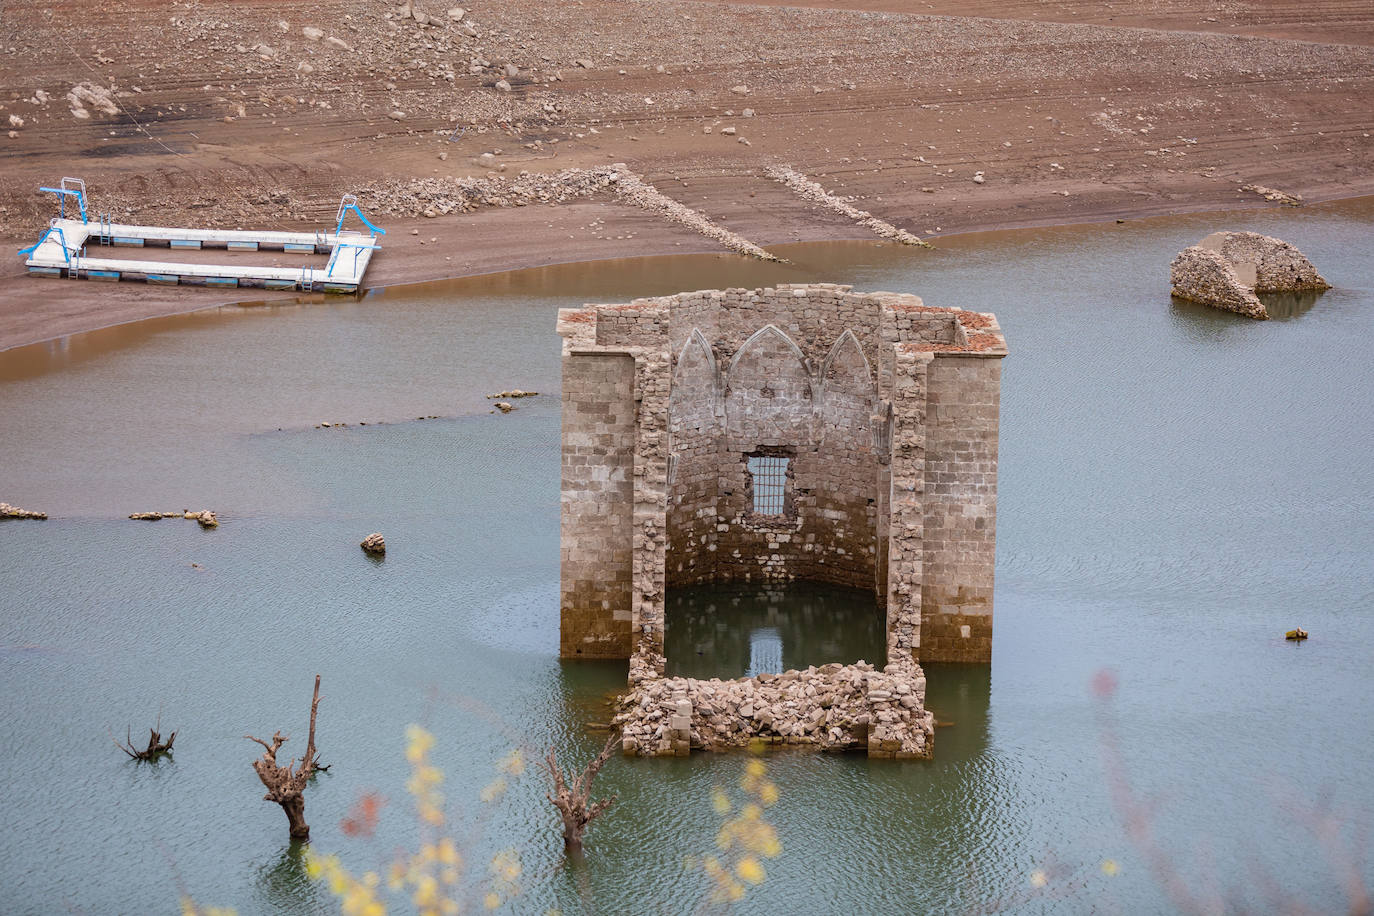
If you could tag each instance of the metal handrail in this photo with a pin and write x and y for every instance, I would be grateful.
(61, 238)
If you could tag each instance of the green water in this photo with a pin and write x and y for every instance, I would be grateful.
(1178, 486)
(742, 630)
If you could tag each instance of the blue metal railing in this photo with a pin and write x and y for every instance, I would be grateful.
(77, 190)
(61, 238)
(350, 202)
(357, 250)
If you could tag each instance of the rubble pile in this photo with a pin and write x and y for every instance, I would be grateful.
(441, 196)
(812, 191)
(832, 708)
(8, 511)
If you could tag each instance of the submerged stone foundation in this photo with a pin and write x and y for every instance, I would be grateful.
(797, 432)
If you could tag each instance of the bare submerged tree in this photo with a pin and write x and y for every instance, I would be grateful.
(574, 801)
(286, 784)
(156, 746)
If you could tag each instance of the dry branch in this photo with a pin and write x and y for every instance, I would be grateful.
(574, 802)
(286, 784)
(156, 746)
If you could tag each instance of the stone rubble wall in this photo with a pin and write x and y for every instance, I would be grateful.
(1200, 275)
(434, 197)
(1279, 266)
(1226, 269)
(832, 708)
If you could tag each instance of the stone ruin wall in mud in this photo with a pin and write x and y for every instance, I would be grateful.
(885, 413)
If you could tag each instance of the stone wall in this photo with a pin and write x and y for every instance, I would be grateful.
(960, 508)
(597, 504)
(885, 413)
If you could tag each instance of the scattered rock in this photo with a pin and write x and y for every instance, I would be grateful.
(812, 191)
(1274, 194)
(740, 90)
(457, 13)
(8, 511)
(312, 33)
(206, 518)
(97, 97)
(505, 406)
(747, 113)
(397, 115)
(502, 86)
(411, 197)
(728, 131)
(1296, 634)
(585, 63)
(513, 394)
(338, 43)
(979, 178)
(374, 543)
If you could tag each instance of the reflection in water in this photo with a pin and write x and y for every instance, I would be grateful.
(959, 696)
(741, 630)
(1290, 305)
(283, 886)
(765, 652)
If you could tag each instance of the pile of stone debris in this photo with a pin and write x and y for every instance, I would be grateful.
(8, 511)
(433, 197)
(834, 708)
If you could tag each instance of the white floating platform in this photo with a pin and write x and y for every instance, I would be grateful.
(65, 252)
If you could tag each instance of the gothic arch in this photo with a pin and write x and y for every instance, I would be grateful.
(769, 393)
(694, 390)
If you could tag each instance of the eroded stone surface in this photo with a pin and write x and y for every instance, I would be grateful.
(1202, 275)
(1226, 269)
(1277, 266)
(831, 708)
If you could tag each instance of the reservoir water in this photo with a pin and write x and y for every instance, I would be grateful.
(1178, 487)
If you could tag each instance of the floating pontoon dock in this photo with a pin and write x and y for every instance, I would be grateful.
(63, 251)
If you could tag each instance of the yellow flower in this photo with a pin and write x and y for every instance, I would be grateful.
(768, 794)
(750, 870)
(491, 901)
(1038, 878)
(418, 743)
(720, 802)
(493, 790)
(1110, 868)
(756, 768)
(514, 763)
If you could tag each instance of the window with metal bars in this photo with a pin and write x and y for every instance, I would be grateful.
(769, 477)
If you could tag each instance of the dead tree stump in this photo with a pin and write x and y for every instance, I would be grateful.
(286, 784)
(573, 801)
(156, 746)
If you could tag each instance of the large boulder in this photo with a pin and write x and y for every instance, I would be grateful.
(1226, 269)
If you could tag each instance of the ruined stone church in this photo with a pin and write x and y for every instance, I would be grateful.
(798, 432)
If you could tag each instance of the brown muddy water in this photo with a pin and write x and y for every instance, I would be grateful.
(1179, 486)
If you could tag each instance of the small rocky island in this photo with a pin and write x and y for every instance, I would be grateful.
(1226, 270)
